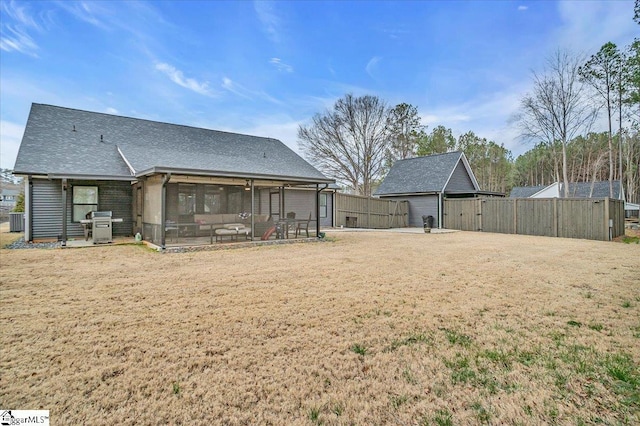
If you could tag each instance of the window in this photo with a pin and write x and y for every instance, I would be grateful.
(186, 199)
(212, 202)
(323, 205)
(85, 200)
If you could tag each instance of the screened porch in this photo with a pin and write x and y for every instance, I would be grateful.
(187, 210)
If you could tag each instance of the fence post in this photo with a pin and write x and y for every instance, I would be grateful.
(607, 234)
(515, 216)
(555, 217)
(479, 216)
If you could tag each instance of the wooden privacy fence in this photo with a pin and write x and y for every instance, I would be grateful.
(354, 211)
(592, 219)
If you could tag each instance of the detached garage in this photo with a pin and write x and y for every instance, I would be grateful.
(425, 181)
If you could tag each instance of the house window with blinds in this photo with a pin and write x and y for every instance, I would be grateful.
(85, 200)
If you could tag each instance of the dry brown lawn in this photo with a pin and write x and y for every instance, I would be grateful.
(366, 328)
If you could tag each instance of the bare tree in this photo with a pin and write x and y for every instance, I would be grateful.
(558, 108)
(349, 142)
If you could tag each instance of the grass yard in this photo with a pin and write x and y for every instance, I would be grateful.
(367, 328)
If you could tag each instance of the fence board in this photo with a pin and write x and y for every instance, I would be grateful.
(369, 212)
(553, 217)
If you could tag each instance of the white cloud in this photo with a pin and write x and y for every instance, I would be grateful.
(282, 128)
(281, 66)
(371, 65)
(14, 29)
(488, 117)
(523, 7)
(111, 110)
(10, 137)
(178, 77)
(235, 88)
(588, 25)
(269, 19)
(90, 13)
(242, 91)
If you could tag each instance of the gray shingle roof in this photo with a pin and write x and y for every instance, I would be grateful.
(420, 174)
(600, 189)
(51, 146)
(576, 190)
(525, 191)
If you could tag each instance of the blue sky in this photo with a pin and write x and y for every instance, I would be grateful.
(264, 68)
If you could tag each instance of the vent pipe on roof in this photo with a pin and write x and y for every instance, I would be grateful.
(101, 139)
(74, 128)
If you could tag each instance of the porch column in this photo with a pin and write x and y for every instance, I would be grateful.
(28, 208)
(64, 212)
(163, 210)
(317, 210)
(253, 209)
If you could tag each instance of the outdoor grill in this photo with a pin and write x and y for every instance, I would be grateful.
(102, 227)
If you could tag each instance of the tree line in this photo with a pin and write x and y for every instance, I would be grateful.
(358, 140)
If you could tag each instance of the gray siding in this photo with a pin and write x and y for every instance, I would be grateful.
(46, 209)
(112, 195)
(460, 179)
(301, 202)
(420, 205)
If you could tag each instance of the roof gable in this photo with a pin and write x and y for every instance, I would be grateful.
(62, 140)
(423, 174)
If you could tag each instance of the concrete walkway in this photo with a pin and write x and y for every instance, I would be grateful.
(396, 230)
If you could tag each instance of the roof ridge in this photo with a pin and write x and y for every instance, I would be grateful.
(430, 155)
(154, 121)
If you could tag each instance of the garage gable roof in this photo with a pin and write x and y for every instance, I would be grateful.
(60, 140)
(424, 174)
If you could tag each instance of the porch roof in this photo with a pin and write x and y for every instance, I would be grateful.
(64, 141)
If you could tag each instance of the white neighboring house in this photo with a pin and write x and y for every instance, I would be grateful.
(8, 198)
(577, 190)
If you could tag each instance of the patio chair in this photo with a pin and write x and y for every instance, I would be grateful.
(303, 225)
(290, 223)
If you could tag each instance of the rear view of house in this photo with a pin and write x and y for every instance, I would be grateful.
(161, 179)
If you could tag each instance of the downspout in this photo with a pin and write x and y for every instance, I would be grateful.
(163, 207)
(440, 205)
(334, 209)
(253, 207)
(318, 191)
(64, 212)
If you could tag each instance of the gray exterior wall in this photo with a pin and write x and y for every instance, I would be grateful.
(47, 207)
(420, 205)
(112, 195)
(460, 179)
(300, 201)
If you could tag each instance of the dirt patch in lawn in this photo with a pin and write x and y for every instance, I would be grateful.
(366, 328)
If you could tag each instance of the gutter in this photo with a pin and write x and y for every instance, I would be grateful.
(213, 173)
(88, 177)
